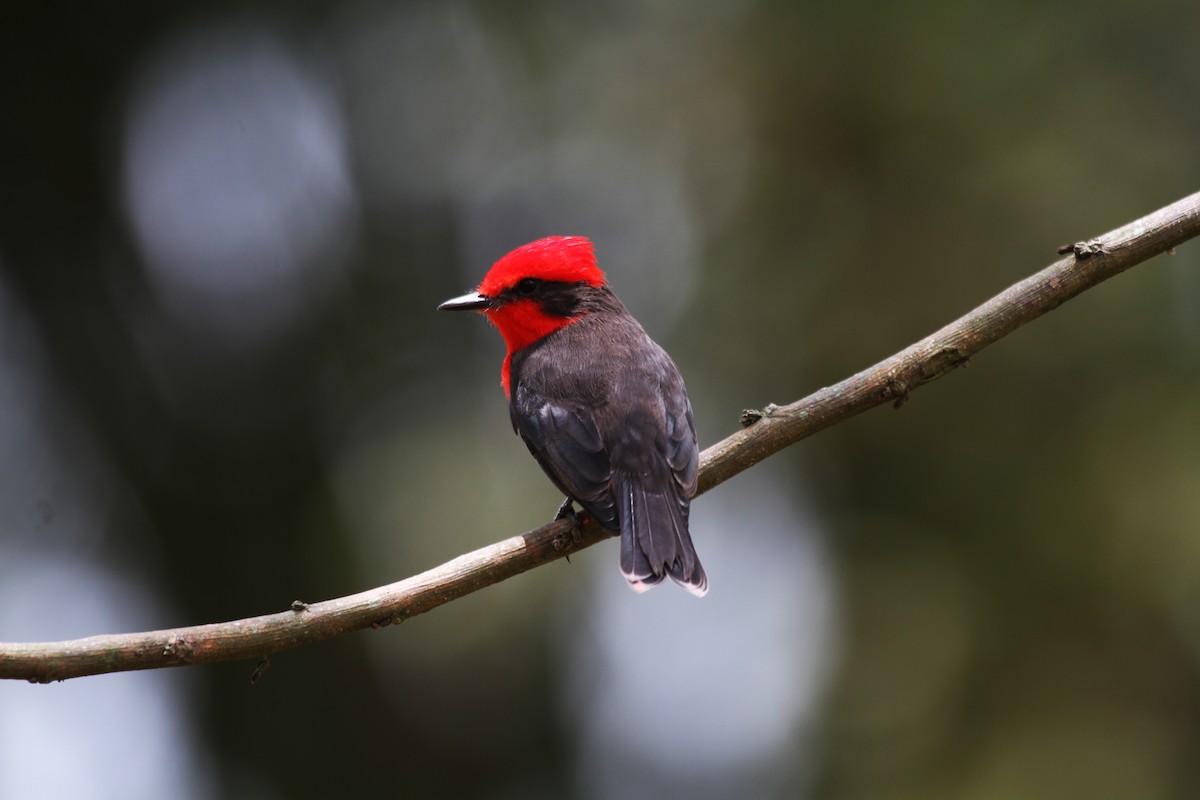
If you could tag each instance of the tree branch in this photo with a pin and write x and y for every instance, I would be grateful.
(768, 431)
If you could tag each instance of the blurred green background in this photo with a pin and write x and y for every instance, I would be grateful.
(224, 228)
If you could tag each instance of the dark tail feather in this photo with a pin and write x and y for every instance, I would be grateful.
(655, 541)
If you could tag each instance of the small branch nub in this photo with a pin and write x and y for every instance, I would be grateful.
(1084, 250)
(260, 669)
(750, 416)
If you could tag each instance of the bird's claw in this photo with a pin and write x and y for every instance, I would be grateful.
(573, 536)
(567, 510)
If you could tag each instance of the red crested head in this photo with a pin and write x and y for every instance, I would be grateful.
(535, 290)
(563, 259)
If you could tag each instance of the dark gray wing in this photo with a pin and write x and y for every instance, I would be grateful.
(566, 441)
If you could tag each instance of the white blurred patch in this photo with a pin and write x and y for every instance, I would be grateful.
(236, 183)
(123, 736)
(675, 696)
(436, 100)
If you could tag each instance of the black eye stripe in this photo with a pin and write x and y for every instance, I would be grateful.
(556, 298)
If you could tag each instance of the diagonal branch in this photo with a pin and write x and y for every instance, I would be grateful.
(768, 431)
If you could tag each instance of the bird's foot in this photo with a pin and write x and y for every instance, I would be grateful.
(573, 536)
(567, 511)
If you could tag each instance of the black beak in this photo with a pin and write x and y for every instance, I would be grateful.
(471, 301)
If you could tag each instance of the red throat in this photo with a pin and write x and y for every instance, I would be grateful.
(569, 259)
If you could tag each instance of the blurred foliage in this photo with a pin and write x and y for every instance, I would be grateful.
(806, 188)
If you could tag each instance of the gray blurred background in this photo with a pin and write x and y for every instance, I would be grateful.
(224, 228)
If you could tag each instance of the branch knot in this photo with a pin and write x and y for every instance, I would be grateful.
(749, 416)
(1084, 250)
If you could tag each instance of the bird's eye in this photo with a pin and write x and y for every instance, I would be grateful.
(528, 286)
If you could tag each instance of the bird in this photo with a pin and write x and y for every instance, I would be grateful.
(601, 406)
